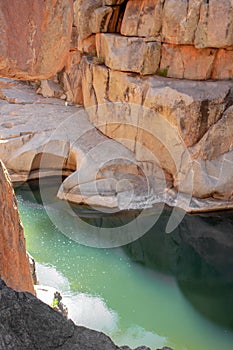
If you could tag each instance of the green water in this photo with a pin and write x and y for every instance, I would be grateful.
(105, 290)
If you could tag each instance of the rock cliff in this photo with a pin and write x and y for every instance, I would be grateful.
(35, 37)
(172, 59)
(14, 264)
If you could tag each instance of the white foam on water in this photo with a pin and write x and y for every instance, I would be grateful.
(90, 311)
(136, 335)
(49, 276)
(84, 309)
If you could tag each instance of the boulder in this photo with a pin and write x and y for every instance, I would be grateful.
(128, 53)
(49, 88)
(142, 18)
(215, 26)
(100, 19)
(223, 65)
(83, 11)
(14, 263)
(187, 62)
(29, 324)
(218, 139)
(180, 20)
(35, 37)
(113, 2)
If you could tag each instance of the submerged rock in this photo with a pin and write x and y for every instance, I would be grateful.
(27, 323)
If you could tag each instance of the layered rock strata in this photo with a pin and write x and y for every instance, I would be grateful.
(44, 137)
(178, 39)
(182, 127)
(126, 52)
(14, 264)
(191, 39)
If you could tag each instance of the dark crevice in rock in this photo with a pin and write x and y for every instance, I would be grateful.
(204, 112)
(120, 17)
(228, 99)
(107, 85)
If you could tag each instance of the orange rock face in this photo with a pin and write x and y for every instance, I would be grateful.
(34, 37)
(187, 62)
(14, 265)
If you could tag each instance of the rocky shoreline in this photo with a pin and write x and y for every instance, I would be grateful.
(27, 323)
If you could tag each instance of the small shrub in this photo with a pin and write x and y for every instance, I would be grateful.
(98, 60)
(162, 72)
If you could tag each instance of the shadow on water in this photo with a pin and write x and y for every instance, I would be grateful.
(198, 253)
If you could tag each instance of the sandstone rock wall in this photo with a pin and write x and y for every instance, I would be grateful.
(175, 118)
(127, 51)
(14, 264)
(191, 39)
(34, 37)
(187, 39)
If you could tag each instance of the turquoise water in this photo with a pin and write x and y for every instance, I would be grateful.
(106, 290)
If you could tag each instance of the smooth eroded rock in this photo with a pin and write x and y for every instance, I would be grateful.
(164, 120)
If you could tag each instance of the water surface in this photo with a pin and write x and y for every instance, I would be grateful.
(159, 290)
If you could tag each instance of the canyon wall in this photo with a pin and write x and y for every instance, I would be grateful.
(172, 59)
(14, 264)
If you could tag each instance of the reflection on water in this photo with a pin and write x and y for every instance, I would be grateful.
(178, 292)
(199, 253)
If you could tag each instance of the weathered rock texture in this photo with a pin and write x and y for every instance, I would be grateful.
(14, 264)
(179, 39)
(27, 323)
(175, 118)
(144, 165)
(165, 36)
(77, 149)
(34, 37)
(125, 51)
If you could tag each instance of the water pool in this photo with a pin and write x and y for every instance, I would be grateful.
(155, 291)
